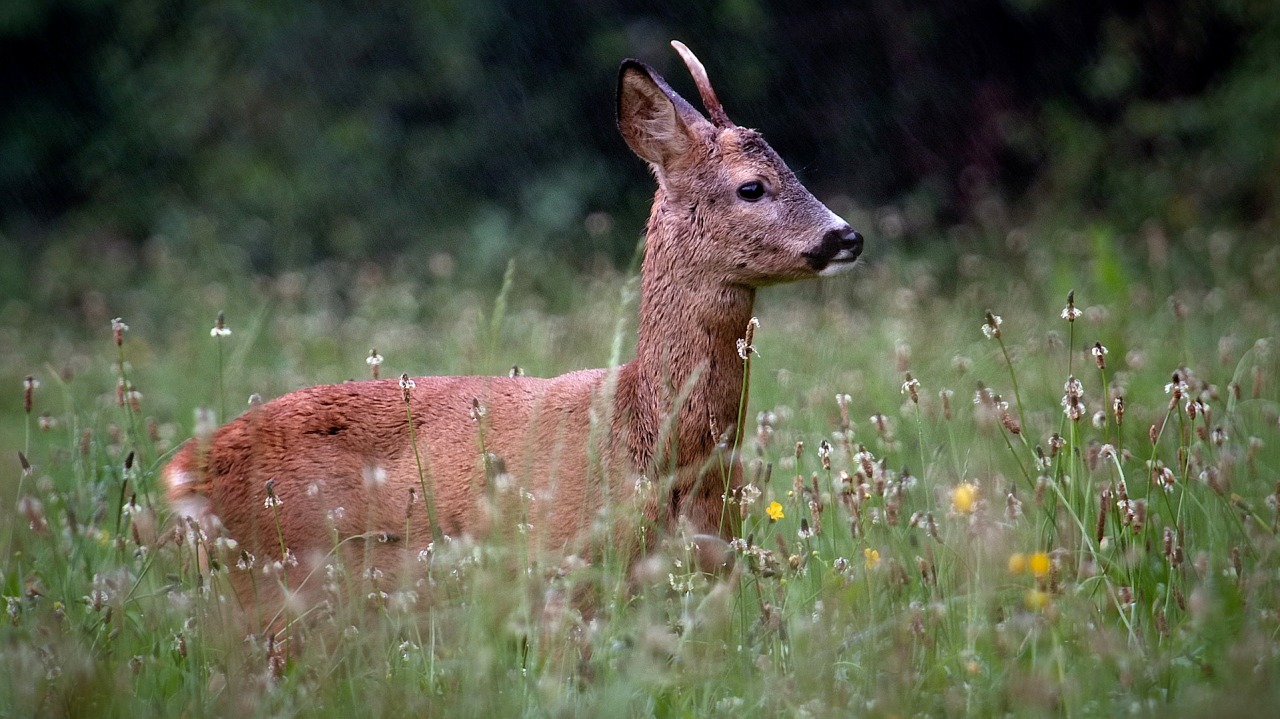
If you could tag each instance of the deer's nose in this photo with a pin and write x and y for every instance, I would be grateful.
(851, 242)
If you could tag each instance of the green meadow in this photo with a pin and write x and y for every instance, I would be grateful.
(967, 496)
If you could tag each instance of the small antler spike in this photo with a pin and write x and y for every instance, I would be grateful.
(709, 99)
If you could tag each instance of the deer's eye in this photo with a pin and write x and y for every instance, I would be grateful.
(751, 191)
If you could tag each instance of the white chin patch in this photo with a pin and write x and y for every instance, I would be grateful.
(837, 266)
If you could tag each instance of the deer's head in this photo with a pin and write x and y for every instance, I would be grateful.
(753, 222)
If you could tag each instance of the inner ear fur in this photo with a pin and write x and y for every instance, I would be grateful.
(657, 124)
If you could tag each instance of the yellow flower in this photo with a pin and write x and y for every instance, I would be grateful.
(964, 498)
(1017, 563)
(774, 510)
(872, 556)
(1039, 564)
(1036, 599)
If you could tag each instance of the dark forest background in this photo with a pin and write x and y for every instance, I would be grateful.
(286, 133)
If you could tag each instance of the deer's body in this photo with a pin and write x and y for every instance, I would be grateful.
(728, 217)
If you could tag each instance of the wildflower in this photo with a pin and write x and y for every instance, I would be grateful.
(946, 395)
(29, 386)
(406, 384)
(1036, 599)
(1218, 436)
(824, 454)
(806, 531)
(1072, 403)
(220, 328)
(1012, 507)
(911, 387)
(842, 401)
(374, 360)
(1099, 355)
(1177, 387)
(991, 327)
(118, 328)
(1071, 313)
(964, 498)
(881, 423)
(272, 501)
(745, 346)
(1039, 564)
(871, 557)
(1009, 421)
(1017, 563)
(774, 510)
(477, 411)
(1117, 406)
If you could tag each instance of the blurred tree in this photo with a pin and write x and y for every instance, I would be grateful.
(290, 132)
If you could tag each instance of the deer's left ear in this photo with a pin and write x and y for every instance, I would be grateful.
(658, 125)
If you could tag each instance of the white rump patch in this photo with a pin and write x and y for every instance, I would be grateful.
(178, 478)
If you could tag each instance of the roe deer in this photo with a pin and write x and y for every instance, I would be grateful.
(728, 217)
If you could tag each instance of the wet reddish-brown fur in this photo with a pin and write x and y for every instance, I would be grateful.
(578, 442)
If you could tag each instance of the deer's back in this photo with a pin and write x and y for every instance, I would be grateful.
(354, 459)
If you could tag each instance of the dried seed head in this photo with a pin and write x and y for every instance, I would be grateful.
(29, 386)
(881, 423)
(272, 501)
(806, 532)
(1010, 423)
(374, 360)
(118, 328)
(824, 454)
(991, 326)
(1099, 355)
(911, 387)
(1012, 507)
(1137, 514)
(1218, 436)
(1070, 313)
(746, 348)
(220, 328)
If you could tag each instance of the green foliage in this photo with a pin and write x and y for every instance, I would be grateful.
(287, 134)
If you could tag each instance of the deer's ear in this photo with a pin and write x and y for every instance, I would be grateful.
(657, 123)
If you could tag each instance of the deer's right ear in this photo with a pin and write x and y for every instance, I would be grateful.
(658, 124)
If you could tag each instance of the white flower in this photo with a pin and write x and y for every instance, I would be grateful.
(991, 328)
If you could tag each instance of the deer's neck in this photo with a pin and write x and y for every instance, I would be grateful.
(687, 361)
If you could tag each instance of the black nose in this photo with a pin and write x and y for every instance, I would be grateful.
(851, 242)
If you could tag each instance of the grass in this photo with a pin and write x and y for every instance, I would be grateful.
(951, 542)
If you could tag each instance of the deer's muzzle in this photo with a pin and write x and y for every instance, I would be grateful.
(837, 251)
